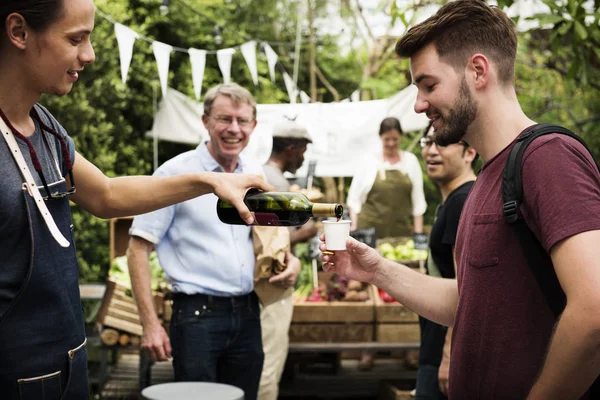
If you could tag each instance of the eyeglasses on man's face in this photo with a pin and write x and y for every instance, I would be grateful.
(426, 142)
(226, 120)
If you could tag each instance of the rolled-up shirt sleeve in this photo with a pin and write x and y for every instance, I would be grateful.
(361, 185)
(415, 174)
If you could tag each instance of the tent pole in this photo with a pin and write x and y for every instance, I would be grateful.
(298, 42)
(154, 111)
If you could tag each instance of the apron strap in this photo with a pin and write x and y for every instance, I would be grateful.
(30, 185)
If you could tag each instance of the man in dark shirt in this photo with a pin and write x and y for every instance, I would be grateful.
(451, 167)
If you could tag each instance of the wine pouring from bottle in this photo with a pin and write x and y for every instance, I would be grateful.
(278, 209)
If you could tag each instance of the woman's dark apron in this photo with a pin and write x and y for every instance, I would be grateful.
(388, 207)
(43, 352)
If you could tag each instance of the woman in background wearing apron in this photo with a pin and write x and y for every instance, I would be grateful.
(44, 46)
(387, 193)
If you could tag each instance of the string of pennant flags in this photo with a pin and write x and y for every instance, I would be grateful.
(126, 38)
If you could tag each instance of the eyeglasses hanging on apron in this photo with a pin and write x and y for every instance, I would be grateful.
(9, 133)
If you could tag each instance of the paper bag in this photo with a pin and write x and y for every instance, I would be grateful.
(270, 247)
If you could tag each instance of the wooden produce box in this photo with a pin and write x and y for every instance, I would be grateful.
(118, 309)
(118, 236)
(394, 322)
(333, 321)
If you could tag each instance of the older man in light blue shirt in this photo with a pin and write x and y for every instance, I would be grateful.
(215, 330)
(198, 252)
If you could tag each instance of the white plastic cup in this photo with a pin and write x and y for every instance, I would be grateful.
(336, 233)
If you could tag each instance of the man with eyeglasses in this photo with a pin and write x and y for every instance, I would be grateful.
(215, 332)
(451, 168)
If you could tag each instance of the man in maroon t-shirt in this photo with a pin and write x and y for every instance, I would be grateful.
(506, 342)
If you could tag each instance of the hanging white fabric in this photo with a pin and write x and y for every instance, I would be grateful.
(198, 60)
(304, 98)
(224, 58)
(290, 87)
(249, 52)
(125, 39)
(342, 133)
(271, 60)
(162, 53)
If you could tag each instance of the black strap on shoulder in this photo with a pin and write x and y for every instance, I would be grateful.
(512, 195)
(512, 183)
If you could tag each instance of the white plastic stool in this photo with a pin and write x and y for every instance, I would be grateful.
(192, 390)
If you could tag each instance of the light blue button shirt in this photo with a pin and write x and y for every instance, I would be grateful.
(198, 252)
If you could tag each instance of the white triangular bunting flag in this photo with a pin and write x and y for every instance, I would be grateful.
(224, 59)
(249, 52)
(162, 53)
(290, 87)
(198, 60)
(271, 60)
(125, 38)
(304, 98)
(355, 96)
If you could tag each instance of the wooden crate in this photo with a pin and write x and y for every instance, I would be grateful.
(324, 332)
(393, 333)
(333, 321)
(118, 236)
(119, 310)
(393, 312)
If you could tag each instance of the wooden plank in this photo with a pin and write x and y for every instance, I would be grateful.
(104, 305)
(335, 311)
(124, 315)
(397, 333)
(124, 326)
(393, 312)
(312, 347)
(124, 298)
(119, 236)
(326, 332)
(123, 305)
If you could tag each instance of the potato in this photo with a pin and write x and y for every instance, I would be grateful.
(354, 285)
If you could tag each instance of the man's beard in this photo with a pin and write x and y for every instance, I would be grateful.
(460, 117)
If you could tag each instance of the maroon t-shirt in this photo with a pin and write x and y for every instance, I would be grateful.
(503, 323)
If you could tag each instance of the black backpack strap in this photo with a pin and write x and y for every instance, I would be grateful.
(512, 195)
(512, 182)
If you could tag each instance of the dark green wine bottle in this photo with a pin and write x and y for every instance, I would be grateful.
(278, 209)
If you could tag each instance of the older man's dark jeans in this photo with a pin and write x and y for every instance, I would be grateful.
(218, 339)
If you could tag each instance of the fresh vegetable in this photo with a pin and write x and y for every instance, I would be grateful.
(120, 272)
(386, 297)
(318, 295)
(404, 251)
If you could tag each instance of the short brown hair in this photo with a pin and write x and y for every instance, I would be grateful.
(462, 28)
(235, 92)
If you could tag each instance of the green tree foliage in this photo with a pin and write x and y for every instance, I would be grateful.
(108, 119)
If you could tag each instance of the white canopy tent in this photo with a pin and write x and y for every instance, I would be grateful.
(343, 133)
